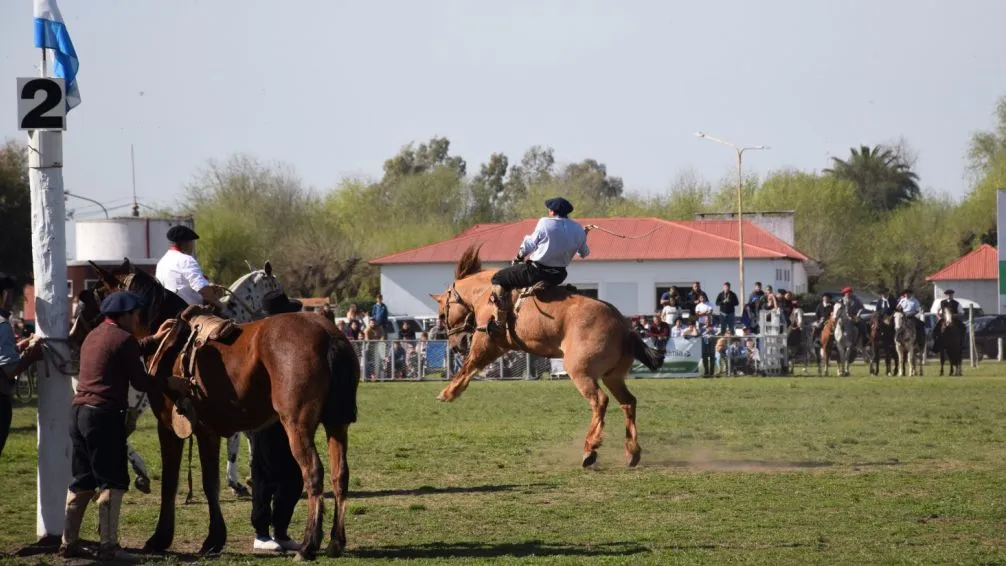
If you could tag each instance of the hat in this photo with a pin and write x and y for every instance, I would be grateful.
(948, 292)
(276, 302)
(121, 302)
(182, 233)
(847, 290)
(559, 205)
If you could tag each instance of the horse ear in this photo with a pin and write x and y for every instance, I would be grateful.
(268, 268)
(105, 275)
(436, 296)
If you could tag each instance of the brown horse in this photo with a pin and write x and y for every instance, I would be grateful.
(297, 368)
(591, 336)
(882, 338)
(950, 342)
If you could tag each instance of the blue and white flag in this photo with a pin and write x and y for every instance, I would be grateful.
(50, 33)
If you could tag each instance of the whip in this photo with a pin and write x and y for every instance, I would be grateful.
(617, 235)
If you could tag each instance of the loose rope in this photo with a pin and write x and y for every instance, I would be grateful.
(617, 235)
(65, 366)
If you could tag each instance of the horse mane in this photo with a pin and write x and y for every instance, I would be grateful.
(470, 263)
(161, 303)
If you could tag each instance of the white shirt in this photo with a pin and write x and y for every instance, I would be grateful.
(554, 242)
(180, 273)
(909, 305)
(669, 314)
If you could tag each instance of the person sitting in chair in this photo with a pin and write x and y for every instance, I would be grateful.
(548, 251)
(277, 481)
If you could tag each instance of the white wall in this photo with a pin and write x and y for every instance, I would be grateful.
(629, 285)
(985, 292)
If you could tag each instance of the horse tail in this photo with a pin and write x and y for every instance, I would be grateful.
(344, 369)
(649, 357)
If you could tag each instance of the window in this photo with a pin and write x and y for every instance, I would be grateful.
(592, 293)
(661, 288)
(90, 284)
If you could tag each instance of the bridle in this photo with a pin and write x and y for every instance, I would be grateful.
(468, 326)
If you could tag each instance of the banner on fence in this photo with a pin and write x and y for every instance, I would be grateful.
(683, 359)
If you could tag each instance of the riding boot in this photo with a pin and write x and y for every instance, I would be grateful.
(76, 504)
(501, 298)
(109, 506)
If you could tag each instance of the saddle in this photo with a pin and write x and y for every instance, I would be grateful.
(204, 327)
(502, 302)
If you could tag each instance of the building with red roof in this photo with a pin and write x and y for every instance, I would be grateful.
(973, 276)
(629, 273)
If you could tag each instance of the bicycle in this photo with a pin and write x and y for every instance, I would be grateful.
(26, 385)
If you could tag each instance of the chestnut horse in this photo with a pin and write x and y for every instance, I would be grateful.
(593, 339)
(297, 368)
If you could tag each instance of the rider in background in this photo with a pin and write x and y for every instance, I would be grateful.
(180, 273)
(854, 307)
(886, 303)
(542, 257)
(949, 302)
(822, 314)
(909, 305)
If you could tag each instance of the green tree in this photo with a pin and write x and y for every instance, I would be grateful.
(430, 155)
(594, 180)
(986, 145)
(882, 177)
(15, 211)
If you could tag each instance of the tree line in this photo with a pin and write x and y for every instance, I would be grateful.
(863, 218)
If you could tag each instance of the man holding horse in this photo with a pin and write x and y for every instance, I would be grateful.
(109, 364)
(179, 272)
(542, 257)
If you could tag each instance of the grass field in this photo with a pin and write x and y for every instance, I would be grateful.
(858, 470)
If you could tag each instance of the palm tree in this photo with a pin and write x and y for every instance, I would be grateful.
(882, 177)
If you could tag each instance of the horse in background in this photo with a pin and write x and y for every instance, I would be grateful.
(881, 338)
(846, 336)
(950, 342)
(909, 342)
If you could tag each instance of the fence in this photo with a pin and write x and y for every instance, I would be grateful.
(397, 360)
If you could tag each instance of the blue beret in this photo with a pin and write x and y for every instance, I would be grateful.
(121, 302)
(559, 205)
(181, 233)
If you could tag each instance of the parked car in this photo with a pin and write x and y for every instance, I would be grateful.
(988, 330)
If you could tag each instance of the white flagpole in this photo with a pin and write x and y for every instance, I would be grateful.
(55, 391)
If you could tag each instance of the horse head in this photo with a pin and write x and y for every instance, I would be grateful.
(244, 302)
(947, 316)
(457, 303)
(838, 311)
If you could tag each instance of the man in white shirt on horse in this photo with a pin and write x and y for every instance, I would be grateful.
(181, 274)
(542, 257)
(909, 305)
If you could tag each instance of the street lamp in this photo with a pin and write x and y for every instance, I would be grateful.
(105, 210)
(740, 200)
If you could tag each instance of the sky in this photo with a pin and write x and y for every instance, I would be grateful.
(333, 88)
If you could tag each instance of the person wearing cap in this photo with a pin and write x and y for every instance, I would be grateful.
(181, 274)
(15, 355)
(855, 308)
(277, 481)
(109, 364)
(548, 251)
(822, 315)
(909, 305)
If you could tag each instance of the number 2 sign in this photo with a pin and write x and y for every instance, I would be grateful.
(41, 103)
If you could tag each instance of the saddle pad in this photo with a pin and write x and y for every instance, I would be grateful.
(207, 325)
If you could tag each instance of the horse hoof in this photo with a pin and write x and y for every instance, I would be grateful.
(334, 550)
(157, 544)
(589, 458)
(444, 397)
(303, 556)
(634, 459)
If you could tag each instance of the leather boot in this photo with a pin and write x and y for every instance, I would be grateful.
(109, 506)
(76, 504)
(502, 301)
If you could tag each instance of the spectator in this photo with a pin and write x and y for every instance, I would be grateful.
(659, 332)
(379, 312)
(341, 325)
(637, 327)
(353, 332)
(15, 355)
(694, 297)
(678, 329)
(407, 333)
(754, 305)
(708, 332)
(439, 332)
(692, 330)
(353, 313)
(702, 305)
(727, 302)
(373, 331)
(770, 301)
(670, 310)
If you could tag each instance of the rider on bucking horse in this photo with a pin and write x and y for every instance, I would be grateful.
(542, 257)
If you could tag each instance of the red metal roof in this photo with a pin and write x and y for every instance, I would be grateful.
(983, 263)
(669, 240)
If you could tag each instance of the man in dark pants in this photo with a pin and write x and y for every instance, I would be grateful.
(277, 481)
(548, 251)
(109, 364)
(15, 356)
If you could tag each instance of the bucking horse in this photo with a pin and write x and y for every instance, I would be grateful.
(297, 368)
(593, 339)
